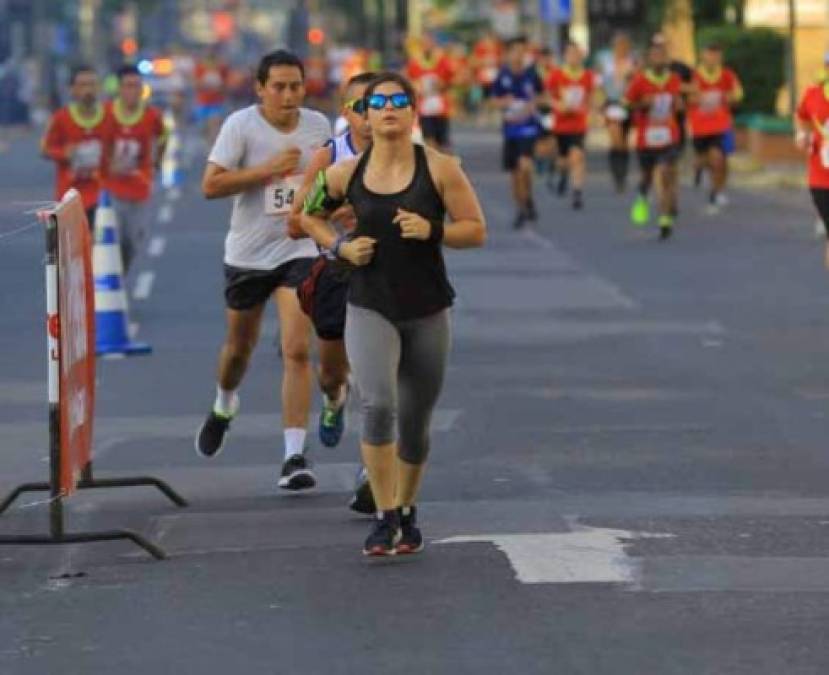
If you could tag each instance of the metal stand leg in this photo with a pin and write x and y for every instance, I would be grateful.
(21, 489)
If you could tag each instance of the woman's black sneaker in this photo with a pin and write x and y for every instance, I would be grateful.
(296, 475)
(211, 437)
(385, 535)
(411, 540)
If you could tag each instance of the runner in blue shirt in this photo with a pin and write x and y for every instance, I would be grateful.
(516, 91)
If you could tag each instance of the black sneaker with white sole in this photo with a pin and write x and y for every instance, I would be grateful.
(385, 535)
(296, 475)
(411, 540)
(211, 437)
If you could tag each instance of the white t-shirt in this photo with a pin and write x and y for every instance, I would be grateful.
(258, 237)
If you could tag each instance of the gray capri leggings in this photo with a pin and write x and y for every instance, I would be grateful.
(399, 370)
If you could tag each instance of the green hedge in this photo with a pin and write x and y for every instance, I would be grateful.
(758, 57)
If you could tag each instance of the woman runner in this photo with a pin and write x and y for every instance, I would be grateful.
(397, 332)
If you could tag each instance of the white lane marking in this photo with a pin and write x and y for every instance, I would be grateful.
(143, 285)
(588, 555)
(539, 240)
(156, 247)
(165, 213)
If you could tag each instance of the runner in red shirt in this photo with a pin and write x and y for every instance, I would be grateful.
(431, 73)
(74, 140)
(211, 76)
(655, 96)
(714, 89)
(813, 136)
(132, 153)
(571, 89)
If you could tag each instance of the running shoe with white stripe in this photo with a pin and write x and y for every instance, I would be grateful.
(296, 474)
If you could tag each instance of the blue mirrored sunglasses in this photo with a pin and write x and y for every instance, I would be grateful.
(398, 101)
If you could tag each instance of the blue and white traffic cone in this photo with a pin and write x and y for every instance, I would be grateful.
(111, 323)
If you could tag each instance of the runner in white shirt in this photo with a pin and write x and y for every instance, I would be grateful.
(259, 158)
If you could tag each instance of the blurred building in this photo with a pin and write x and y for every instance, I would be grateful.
(811, 31)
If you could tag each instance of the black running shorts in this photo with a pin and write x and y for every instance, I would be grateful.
(246, 289)
(515, 149)
(323, 295)
(567, 142)
(651, 157)
(702, 144)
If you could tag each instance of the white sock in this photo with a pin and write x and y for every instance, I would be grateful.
(294, 442)
(227, 402)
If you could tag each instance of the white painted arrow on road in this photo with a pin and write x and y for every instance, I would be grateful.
(586, 555)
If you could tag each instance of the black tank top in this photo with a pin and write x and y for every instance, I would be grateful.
(406, 279)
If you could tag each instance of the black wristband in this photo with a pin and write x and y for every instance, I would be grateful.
(436, 232)
(335, 249)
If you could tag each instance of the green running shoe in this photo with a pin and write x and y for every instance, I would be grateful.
(640, 212)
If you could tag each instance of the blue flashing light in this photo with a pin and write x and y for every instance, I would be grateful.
(145, 67)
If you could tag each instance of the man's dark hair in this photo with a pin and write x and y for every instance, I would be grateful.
(79, 69)
(126, 70)
(713, 47)
(361, 78)
(396, 78)
(515, 41)
(281, 57)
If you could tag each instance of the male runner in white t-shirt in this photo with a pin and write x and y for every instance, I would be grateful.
(259, 158)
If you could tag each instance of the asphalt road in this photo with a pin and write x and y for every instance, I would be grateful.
(630, 472)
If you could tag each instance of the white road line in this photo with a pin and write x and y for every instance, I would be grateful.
(143, 286)
(538, 239)
(156, 247)
(165, 213)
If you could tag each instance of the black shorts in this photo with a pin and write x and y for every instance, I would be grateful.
(566, 142)
(649, 158)
(246, 289)
(515, 149)
(820, 196)
(435, 129)
(702, 144)
(323, 295)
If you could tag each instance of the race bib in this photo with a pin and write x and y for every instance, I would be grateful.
(710, 100)
(279, 195)
(616, 113)
(517, 111)
(573, 97)
(212, 79)
(125, 156)
(548, 122)
(87, 155)
(431, 105)
(489, 74)
(657, 137)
